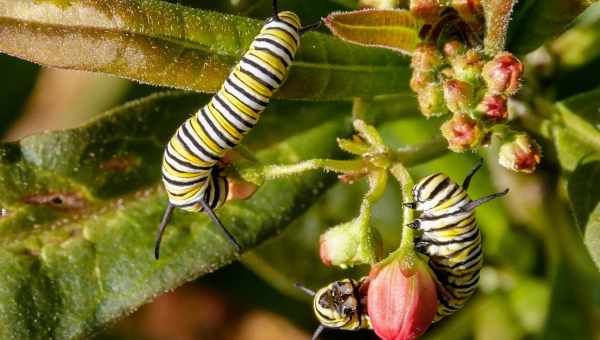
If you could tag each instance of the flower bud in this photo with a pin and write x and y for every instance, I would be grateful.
(503, 74)
(431, 100)
(470, 10)
(349, 244)
(493, 109)
(239, 189)
(401, 307)
(468, 66)
(420, 80)
(462, 133)
(453, 48)
(521, 154)
(426, 58)
(458, 95)
(427, 10)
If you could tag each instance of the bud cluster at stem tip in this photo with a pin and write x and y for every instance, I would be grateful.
(453, 75)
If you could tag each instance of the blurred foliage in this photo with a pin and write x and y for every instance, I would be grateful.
(14, 93)
(80, 206)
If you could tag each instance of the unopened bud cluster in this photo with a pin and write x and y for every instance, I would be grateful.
(429, 11)
(471, 86)
(461, 81)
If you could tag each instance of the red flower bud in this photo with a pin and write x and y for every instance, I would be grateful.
(462, 133)
(503, 74)
(427, 10)
(458, 95)
(493, 108)
(401, 307)
(521, 154)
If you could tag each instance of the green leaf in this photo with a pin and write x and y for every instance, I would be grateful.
(579, 134)
(170, 45)
(584, 193)
(579, 45)
(574, 310)
(81, 209)
(537, 21)
(395, 30)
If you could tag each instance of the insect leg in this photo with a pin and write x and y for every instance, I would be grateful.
(467, 180)
(410, 205)
(471, 206)
(161, 230)
(416, 224)
(304, 289)
(218, 222)
(318, 332)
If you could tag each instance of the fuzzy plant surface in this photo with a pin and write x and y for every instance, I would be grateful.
(80, 206)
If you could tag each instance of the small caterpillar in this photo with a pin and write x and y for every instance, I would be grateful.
(191, 174)
(340, 305)
(450, 237)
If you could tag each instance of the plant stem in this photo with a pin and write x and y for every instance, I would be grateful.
(278, 171)
(359, 108)
(406, 185)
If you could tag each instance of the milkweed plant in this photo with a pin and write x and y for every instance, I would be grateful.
(383, 169)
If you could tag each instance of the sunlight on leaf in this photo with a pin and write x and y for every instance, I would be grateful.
(396, 30)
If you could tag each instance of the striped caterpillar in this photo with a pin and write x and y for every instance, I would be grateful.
(450, 237)
(191, 174)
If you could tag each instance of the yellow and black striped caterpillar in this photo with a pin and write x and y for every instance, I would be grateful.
(191, 175)
(340, 305)
(450, 237)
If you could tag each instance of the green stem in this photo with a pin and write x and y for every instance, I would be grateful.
(350, 166)
(406, 185)
(359, 108)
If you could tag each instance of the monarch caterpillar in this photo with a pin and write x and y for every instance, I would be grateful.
(340, 305)
(450, 237)
(191, 174)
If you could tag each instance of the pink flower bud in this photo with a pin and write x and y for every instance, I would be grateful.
(401, 307)
(503, 74)
(458, 95)
(521, 154)
(462, 133)
(493, 108)
(427, 10)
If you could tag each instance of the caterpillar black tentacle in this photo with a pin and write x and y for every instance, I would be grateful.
(450, 237)
(190, 171)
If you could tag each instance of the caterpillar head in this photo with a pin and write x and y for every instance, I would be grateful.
(338, 305)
